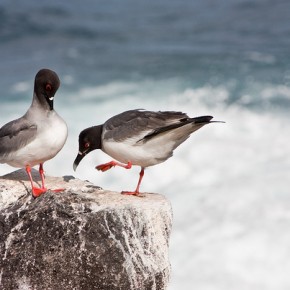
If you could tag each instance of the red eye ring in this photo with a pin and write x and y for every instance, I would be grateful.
(87, 145)
(48, 87)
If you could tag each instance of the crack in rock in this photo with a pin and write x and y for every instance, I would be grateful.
(83, 238)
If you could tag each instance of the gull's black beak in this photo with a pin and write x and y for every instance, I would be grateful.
(50, 102)
(78, 159)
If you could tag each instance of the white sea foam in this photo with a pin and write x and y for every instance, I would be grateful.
(282, 91)
(228, 184)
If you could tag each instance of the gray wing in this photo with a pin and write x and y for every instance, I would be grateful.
(140, 123)
(16, 134)
(196, 122)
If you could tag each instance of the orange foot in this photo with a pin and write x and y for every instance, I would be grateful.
(57, 190)
(105, 167)
(37, 191)
(109, 165)
(136, 193)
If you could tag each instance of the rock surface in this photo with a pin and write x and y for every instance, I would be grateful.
(82, 238)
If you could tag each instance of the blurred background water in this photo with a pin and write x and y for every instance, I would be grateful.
(229, 183)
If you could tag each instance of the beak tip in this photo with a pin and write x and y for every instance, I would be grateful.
(77, 161)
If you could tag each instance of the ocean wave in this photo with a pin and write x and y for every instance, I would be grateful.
(228, 183)
(255, 96)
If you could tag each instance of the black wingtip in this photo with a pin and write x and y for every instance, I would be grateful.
(217, 121)
(202, 119)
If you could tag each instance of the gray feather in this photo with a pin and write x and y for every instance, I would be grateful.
(133, 122)
(15, 135)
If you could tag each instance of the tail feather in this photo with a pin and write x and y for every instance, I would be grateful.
(198, 121)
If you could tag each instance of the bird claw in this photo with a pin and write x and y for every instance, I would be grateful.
(104, 167)
(58, 190)
(109, 165)
(136, 193)
(36, 191)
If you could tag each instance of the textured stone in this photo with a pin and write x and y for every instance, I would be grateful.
(82, 238)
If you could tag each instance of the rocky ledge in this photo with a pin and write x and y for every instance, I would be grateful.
(82, 238)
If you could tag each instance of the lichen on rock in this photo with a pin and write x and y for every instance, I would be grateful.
(82, 238)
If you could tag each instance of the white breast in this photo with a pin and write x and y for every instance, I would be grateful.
(142, 154)
(154, 151)
(50, 138)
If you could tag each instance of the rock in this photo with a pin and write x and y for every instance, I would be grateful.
(82, 238)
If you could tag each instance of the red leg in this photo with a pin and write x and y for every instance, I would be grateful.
(41, 173)
(109, 165)
(136, 192)
(35, 190)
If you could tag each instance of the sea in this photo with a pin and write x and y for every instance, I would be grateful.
(229, 183)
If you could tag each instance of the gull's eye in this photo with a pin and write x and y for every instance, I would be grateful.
(87, 144)
(48, 87)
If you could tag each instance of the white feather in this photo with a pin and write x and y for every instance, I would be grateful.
(154, 151)
(49, 140)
